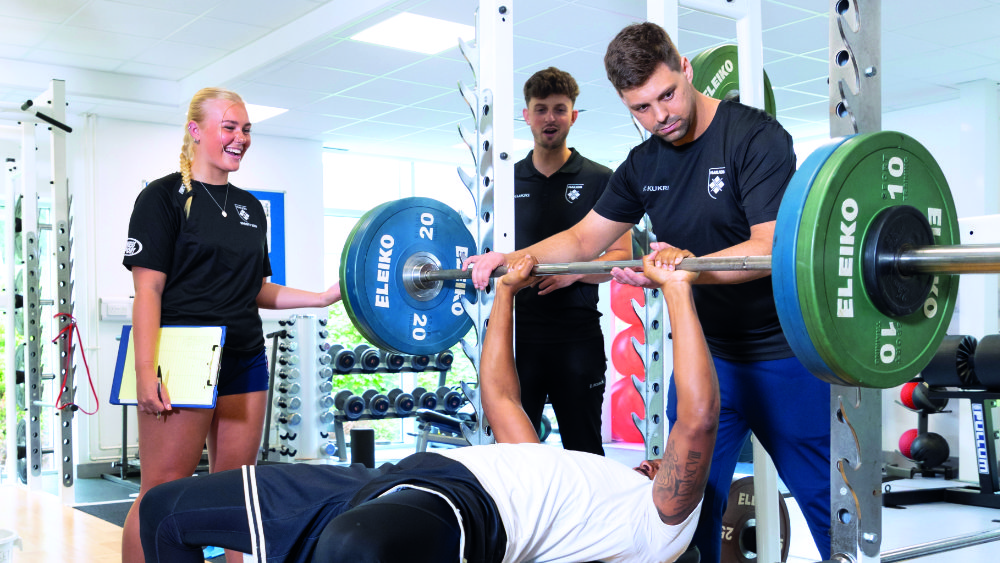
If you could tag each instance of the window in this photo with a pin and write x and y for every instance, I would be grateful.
(352, 185)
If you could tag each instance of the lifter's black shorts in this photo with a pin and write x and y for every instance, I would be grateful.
(279, 512)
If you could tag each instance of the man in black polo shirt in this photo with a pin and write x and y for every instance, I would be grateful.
(555, 187)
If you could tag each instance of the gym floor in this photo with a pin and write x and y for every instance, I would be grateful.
(902, 527)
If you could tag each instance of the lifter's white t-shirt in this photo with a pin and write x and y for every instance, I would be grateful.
(541, 506)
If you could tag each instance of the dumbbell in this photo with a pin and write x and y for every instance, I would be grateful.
(290, 331)
(288, 346)
(378, 404)
(324, 359)
(393, 361)
(325, 401)
(330, 449)
(914, 396)
(288, 373)
(403, 403)
(289, 420)
(289, 388)
(343, 358)
(450, 399)
(292, 404)
(929, 449)
(367, 357)
(443, 360)
(350, 404)
(424, 400)
(419, 362)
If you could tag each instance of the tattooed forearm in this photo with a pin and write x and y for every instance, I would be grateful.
(678, 486)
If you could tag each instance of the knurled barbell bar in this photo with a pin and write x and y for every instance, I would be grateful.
(955, 259)
(865, 241)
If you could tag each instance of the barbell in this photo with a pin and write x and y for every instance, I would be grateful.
(863, 265)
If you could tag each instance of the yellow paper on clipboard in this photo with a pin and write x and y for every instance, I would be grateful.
(188, 358)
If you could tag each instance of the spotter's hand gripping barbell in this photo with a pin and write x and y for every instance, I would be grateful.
(865, 238)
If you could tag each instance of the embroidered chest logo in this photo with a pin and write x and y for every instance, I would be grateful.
(132, 247)
(242, 211)
(573, 192)
(716, 181)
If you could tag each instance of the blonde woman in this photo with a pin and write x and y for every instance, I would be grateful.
(197, 251)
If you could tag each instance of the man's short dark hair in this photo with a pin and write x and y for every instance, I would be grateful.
(548, 82)
(634, 54)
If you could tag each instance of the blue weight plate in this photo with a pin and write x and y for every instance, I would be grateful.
(371, 276)
(783, 261)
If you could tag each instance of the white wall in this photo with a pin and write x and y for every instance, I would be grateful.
(119, 158)
(9, 148)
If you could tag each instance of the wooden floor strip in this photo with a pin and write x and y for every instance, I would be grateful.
(53, 533)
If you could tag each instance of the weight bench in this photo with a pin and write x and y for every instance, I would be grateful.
(437, 427)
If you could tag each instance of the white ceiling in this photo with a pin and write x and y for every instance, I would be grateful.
(142, 59)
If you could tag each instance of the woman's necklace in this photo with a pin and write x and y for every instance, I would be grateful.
(222, 207)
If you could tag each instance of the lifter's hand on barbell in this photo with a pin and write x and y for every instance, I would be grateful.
(519, 275)
(482, 266)
(660, 267)
(628, 276)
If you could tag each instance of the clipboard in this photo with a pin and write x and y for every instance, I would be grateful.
(188, 358)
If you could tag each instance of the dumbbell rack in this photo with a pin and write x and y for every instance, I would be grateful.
(301, 401)
(295, 396)
(340, 418)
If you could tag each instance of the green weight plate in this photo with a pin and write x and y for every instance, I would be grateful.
(717, 75)
(860, 344)
(378, 253)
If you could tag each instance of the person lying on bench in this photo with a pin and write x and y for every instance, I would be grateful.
(516, 500)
